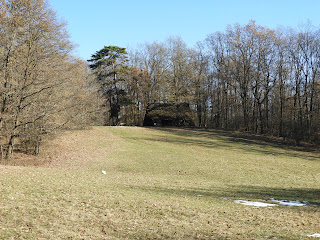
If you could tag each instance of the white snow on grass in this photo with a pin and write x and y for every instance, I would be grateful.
(276, 203)
(290, 203)
(255, 204)
(315, 235)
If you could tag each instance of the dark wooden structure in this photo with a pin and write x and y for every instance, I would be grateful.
(168, 114)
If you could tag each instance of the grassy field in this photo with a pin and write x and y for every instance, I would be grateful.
(160, 183)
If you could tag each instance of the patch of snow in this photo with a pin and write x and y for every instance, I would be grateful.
(315, 235)
(255, 204)
(103, 172)
(290, 203)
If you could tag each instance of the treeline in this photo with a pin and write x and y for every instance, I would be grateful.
(43, 88)
(248, 78)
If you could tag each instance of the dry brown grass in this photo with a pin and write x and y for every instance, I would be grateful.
(160, 184)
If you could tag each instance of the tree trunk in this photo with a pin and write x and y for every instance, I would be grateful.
(9, 150)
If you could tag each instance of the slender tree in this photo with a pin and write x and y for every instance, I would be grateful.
(109, 66)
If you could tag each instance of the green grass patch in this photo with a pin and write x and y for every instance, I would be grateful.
(161, 183)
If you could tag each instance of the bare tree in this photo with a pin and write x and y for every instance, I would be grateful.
(36, 71)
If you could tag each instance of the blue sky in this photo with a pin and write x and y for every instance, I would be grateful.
(93, 24)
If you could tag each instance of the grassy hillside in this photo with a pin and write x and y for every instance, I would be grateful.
(160, 184)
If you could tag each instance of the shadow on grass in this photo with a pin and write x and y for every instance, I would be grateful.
(311, 195)
(243, 141)
(242, 192)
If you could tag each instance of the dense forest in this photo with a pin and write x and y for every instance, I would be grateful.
(248, 78)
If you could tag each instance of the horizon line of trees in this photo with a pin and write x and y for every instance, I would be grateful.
(249, 78)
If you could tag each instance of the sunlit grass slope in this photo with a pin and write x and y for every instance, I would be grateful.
(161, 184)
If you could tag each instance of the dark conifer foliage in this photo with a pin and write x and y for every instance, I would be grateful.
(109, 67)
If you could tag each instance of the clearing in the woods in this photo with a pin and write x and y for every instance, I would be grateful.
(160, 183)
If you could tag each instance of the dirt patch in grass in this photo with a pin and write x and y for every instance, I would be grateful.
(70, 149)
(77, 149)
